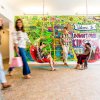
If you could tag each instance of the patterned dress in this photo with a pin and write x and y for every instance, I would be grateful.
(65, 39)
(40, 54)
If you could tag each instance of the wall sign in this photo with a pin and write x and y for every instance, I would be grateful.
(80, 39)
(84, 27)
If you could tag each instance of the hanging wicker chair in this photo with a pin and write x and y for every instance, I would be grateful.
(33, 52)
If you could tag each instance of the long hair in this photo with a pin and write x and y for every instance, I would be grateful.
(1, 27)
(41, 43)
(88, 44)
(66, 28)
(16, 26)
(1, 24)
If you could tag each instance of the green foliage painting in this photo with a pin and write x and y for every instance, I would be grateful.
(49, 28)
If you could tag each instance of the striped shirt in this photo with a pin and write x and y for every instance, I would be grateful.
(40, 54)
(65, 39)
(20, 38)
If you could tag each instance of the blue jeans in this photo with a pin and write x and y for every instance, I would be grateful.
(26, 69)
(2, 74)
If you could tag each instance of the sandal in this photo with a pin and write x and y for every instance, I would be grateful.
(27, 77)
(6, 86)
(53, 69)
(65, 64)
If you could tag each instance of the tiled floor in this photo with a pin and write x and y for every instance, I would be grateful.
(63, 84)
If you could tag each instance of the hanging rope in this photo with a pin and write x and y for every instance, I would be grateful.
(87, 9)
(41, 37)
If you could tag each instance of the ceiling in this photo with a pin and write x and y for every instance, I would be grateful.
(55, 7)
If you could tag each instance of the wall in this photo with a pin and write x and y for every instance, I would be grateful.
(82, 30)
(11, 49)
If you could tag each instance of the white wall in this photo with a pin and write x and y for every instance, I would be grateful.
(11, 49)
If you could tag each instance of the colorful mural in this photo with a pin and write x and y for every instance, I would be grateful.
(49, 28)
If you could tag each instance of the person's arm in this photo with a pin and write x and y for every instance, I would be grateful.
(15, 41)
(43, 52)
(16, 48)
(61, 40)
(39, 53)
(27, 39)
(87, 51)
(70, 37)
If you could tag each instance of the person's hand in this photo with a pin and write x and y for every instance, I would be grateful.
(45, 51)
(77, 54)
(30, 44)
(17, 50)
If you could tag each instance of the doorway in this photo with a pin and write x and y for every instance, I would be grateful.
(4, 48)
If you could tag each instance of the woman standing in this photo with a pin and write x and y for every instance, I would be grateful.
(20, 39)
(3, 80)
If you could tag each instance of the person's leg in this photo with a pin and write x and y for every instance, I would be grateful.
(3, 80)
(79, 62)
(1, 62)
(2, 75)
(83, 57)
(85, 63)
(63, 47)
(10, 70)
(65, 54)
(79, 59)
(51, 62)
(26, 69)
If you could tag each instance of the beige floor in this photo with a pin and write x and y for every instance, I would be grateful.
(63, 84)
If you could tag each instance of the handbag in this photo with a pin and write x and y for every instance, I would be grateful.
(16, 62)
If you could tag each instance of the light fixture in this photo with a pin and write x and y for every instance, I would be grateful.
(86, 8)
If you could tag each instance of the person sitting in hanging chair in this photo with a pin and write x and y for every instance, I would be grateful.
(81, 57)
(45, 57)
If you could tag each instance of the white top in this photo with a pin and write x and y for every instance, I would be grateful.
(20, 38)
(0, 36)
